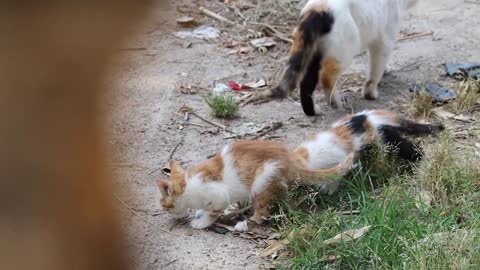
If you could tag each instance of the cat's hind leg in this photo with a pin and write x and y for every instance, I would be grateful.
(329, 75)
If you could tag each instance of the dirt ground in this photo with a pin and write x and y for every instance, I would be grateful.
(145, 128)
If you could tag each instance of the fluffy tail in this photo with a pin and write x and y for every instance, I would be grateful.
(417, 129)
(306, 176)
(406, 149)
(313, 25)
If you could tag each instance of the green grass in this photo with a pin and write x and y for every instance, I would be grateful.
(407, 232)
(222, 105)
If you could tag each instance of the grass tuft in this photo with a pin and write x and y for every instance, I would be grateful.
(468, 94)
(422, 104)
(223, 106)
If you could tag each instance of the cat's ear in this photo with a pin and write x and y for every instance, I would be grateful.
(176, 168)
(165, 187)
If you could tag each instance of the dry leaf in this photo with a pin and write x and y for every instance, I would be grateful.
(186, 21)
(443, 114)
(230, 44)
(347, 236)
(330, 258)
(256, 84)
(463, 118)
(244, 50)
(275, 246)
(263, 42)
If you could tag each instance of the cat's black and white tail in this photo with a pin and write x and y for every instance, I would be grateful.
(392, 135)
(391, 129)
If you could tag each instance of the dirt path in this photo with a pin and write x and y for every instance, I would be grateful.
(145, 128)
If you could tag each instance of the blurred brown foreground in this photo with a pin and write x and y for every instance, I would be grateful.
(56, 198)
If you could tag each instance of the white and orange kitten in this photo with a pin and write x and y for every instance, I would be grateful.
(242, 171)
(354, 132)
(328, 37)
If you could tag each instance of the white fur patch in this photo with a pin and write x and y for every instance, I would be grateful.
(264, 179)
(236, 186)
(324, 152)
(241, 226)
(204, 195)
(202, 222)
(375, 119)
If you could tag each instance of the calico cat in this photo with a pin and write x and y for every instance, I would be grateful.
(329, 35)
(242, 171)
(354, 132)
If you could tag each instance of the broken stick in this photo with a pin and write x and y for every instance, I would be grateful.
(274, 32)
(218, 17)
(185, 109)
(415, 36)
(275, 126)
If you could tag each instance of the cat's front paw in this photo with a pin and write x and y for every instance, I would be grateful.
(200, 223)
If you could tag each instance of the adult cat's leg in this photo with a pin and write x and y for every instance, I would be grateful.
(379, 53)
(205, 218)
(329, 74)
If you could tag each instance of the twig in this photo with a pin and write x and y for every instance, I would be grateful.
(472, 2)
(158, 26)
(274, 32)
(133, 49)
(174, 149)
(233, 214)
(167, 264)
(213, 123)
(181, 221)
(223, 19)
(415, 36)
(169, 156)
(348, 212)
(194, 124)
(144, 219)
(129, 166)
(275, 126)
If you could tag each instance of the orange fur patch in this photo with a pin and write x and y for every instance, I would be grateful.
(319, 5)
(297, 42)
(211, 170)
(302, 152)
(371, 132)
(345, 136)
(329, 73)
(177, 178)
(250, 157)
(392, 117)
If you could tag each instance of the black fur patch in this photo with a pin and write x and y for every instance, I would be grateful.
(295, 61)
(357, 124)
(289, 80)
(413, 128)
(406, 149)
(308, 84)
(315, 25)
